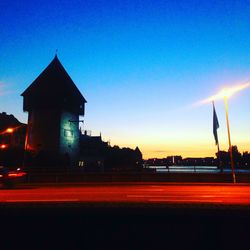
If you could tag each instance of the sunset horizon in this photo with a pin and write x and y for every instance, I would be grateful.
(142, 67)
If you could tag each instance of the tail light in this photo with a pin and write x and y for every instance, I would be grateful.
(16, 174)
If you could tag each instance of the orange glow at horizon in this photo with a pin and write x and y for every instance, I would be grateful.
(185, 153)
(189, 146)
(194, 150)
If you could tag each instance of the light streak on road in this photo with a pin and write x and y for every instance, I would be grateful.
(223, 194)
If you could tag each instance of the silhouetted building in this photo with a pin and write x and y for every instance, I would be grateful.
(123, 159)
(197, 161)
(168, 161)
(179, 161)
(92, 152)
(138, 156)
(12, 137)
(246, 159)
(12, 132)
(98, 156)
(7, 121)
(54, 104)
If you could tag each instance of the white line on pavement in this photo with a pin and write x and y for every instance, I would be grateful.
(42, 200)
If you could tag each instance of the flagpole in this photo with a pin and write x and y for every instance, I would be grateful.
(218, 157)
(229, 139)
(217, 138)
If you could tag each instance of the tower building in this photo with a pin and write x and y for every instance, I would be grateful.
(54, 104)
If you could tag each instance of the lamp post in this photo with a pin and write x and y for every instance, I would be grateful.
(229, 139)
(224, 94)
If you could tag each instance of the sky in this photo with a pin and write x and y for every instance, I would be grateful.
(140, 64)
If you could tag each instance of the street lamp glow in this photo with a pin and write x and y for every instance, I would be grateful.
(3, 146)
(9, 130)
(226, 93)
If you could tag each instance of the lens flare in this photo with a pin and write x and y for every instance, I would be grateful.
(226, 92)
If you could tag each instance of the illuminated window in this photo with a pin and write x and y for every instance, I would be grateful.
(68, 133)
(81, 163)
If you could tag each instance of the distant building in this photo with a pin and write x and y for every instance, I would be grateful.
(12, 132)
(12, 137)
(97, 155)
(198, 161)
(92, 152)
(54, 104)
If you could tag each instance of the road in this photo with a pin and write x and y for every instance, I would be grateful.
(126, 216)
(131, 193)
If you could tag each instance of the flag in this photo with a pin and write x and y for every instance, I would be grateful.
(215, 125)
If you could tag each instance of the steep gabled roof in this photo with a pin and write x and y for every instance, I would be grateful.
(7, 121)
(55, 80)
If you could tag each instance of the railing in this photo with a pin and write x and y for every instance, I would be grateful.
(189, 169)
(135, 177)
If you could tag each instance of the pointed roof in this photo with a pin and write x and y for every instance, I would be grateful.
(8, 121)
(138, 151)
(55, 80)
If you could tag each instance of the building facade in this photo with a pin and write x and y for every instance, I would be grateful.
(12, 137)
(54, 104)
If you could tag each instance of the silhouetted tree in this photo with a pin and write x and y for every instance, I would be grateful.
(123, 159)
(224, 158)
(236, 157)
(246, 160)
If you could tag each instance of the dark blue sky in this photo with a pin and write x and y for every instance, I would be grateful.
(140, 65)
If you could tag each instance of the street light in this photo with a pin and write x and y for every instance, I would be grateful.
(3, 146)
(6, 131)
(9, 130)
(225, 94)
(229, 139)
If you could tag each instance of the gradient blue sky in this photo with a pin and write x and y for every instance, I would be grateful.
(140, 64)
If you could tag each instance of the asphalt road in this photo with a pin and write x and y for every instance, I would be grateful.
(131, 193)
(125, 216)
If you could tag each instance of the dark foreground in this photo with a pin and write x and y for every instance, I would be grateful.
(76, 227)
(127, 225)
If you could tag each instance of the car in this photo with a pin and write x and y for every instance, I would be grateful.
(9, 177)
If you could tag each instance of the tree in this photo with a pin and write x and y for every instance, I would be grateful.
(237, 158)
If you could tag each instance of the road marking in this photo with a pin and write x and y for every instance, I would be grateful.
(43, 200)
(166, 196)
(150, 196)
(183, 200)
(151, 189)
(138, 196)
